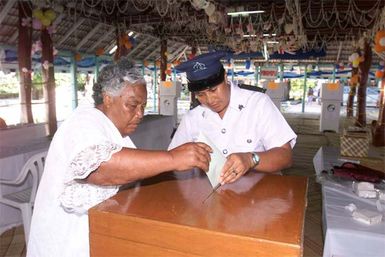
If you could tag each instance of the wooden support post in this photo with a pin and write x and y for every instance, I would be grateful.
(74, 73)
(155, 90)
(121, 49)
(256, 74)
(361, 92)
(232, 73)
(378, 127)
(96, 70)
(304, 89)
(163, 59)
(48, 75)
(193, 101)
(24, 58)
(352, 94)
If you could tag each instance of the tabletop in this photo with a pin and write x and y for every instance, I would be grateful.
(257, 208)
(345, 236)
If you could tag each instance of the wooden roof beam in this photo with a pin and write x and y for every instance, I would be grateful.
(74, 27)
(138, 46)
(88, 36)
(101, 39)
(178, 53)
(55, 23)
(6, 8)
(148, 47)
(153, 52)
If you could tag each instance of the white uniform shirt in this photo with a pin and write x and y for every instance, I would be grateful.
(60, 218)
(251, 123)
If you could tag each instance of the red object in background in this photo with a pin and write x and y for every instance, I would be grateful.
(358, 172)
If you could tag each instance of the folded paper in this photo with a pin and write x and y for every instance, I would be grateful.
(368, 217)
(364, 189)
(217, 160)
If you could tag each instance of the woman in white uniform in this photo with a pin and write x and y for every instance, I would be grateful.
(90, 155)
(244, 124)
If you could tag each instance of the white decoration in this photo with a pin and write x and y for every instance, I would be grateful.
(351, 207)
(366, 193)
(353, 56)
(381, 195)
(46, 64)
(382, 41)
(362, 186)
(58, 8)
(200, 4)
(288, 28)
(214, 18)
(210, 9)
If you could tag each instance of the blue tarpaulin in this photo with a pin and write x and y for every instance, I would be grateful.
(86, 62)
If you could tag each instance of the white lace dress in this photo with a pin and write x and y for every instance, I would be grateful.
(60, 219)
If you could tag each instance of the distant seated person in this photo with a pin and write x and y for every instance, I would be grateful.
(242, 122)
(3, 124)
(91, 155)
(310, 95)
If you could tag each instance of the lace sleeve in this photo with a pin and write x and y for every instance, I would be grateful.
(78, 196)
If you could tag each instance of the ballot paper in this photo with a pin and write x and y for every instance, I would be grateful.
(364, 189)
(217, 160)
(368, 217)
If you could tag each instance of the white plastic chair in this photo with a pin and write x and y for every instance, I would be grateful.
(25, 198)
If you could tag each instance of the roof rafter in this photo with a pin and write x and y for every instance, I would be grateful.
(101, 39)
(139, 45)
(75, 26)
(6, 8)
(149, 47)
(178, 52)
(55, 23)
(89, 35)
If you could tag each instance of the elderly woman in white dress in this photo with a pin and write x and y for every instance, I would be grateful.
(90, 155)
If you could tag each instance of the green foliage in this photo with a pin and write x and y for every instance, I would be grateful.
(297, 86)
(9, 84)
(81, 80)
(37, 81)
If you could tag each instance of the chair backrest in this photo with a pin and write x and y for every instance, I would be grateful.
(34, 166)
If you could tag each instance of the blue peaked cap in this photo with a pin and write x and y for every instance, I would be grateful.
(203, 71)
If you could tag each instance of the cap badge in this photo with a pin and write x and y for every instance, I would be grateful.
(198, 66)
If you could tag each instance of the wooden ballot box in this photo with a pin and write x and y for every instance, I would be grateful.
(259, 215)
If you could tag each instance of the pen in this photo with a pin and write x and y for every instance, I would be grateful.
(214, 189)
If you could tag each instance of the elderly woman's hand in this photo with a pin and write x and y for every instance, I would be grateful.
(236, 165)
(190, 155)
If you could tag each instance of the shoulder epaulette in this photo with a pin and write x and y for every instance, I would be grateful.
(194, 103)
(252, 88)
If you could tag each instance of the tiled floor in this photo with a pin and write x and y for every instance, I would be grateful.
(309, 141)
(12, 243)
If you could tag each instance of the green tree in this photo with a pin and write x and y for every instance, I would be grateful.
(81, 80)
(297, 86)
(37, 85)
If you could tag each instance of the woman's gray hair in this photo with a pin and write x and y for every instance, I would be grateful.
(113, 77)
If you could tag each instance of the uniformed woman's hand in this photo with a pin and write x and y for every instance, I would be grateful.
(236, 165)
(190, 155)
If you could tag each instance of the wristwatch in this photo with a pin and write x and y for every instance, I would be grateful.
(255, 158)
